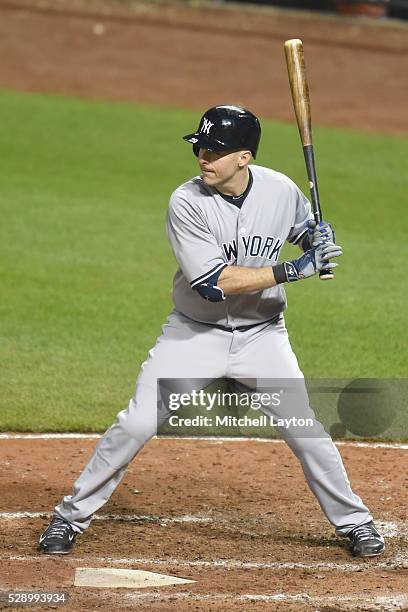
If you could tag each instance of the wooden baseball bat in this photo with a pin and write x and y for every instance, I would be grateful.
(295, 61)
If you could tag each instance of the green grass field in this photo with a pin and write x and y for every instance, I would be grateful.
(86, 271)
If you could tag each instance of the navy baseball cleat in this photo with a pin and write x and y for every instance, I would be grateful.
(58, 538)
(366, 541)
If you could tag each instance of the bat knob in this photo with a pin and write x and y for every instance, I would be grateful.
(293, 43)
(326, 275)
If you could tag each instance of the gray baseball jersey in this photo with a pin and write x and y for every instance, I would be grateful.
(208, 233)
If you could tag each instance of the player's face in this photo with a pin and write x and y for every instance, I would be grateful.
(222, 169)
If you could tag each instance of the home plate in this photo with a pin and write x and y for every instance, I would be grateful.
(109, 577)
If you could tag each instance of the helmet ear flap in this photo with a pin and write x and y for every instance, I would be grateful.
(196, 149)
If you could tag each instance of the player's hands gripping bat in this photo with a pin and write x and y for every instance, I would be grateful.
(312, 261)
(320, 232)
(301, 102)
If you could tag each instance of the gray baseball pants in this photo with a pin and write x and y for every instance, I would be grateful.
(190, 350)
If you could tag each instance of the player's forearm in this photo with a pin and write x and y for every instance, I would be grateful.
(240, 279)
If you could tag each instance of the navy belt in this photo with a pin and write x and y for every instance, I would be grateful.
(242, 328)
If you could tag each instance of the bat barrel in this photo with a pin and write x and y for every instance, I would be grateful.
(295, 62)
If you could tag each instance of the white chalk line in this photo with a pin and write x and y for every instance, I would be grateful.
(393, 529)
(130, 518)
(399, 561)
(352, 443)
(382, 603)
(79, 436)
(49, 436)
(220, 596)
(389, 529)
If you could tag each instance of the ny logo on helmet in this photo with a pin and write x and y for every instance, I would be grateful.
(206, 127)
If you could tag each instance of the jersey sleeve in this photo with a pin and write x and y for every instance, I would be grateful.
(303, 213)
(194, 246)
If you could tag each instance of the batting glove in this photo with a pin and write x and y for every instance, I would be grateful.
(321, 232)
(309, 264)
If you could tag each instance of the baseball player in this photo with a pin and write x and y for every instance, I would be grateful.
(227, 228)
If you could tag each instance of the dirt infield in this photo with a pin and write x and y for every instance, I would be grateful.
(235, 516)
(194, 58)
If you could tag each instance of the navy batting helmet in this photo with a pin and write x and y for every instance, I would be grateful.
(224, 128)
